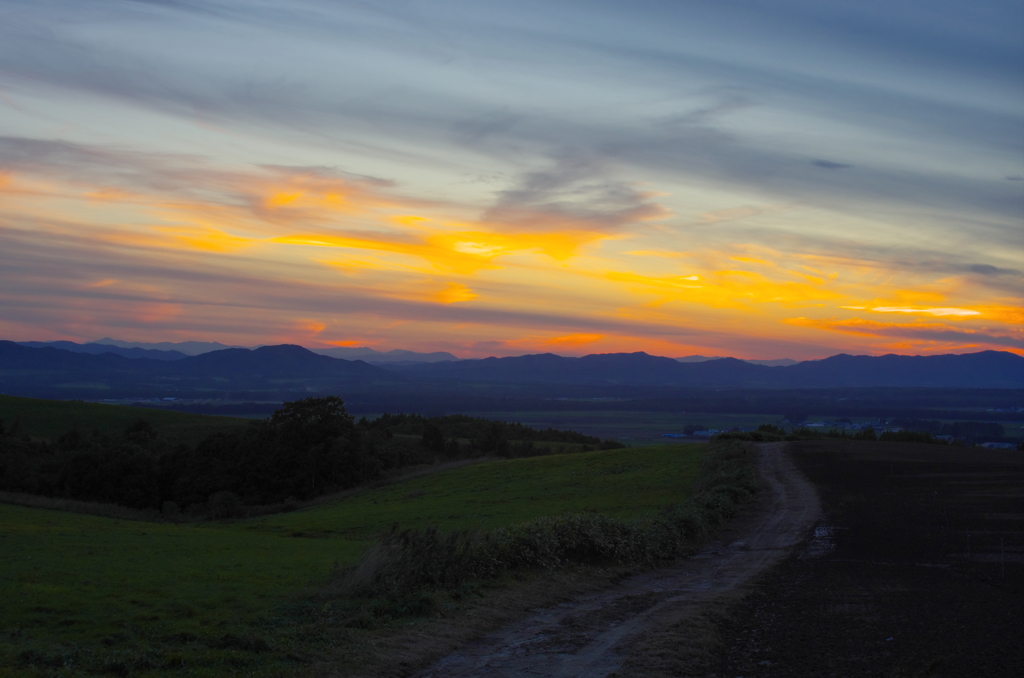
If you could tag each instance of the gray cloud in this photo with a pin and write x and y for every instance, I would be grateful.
(706, 116)
(328, 173)
(986, 269)
(828, 164)
(376, 92)
(472, 131)
(97, 165)
(577, 190)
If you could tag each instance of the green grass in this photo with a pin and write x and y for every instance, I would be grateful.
(50, 418)
(103, 592)
(618, 483)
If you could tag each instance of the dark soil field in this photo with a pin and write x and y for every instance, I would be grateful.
(916, 570)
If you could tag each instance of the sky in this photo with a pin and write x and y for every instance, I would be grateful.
(784, 179)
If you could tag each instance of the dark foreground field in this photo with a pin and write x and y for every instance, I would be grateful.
(917, 570)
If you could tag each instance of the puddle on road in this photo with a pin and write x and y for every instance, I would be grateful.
(822, 543)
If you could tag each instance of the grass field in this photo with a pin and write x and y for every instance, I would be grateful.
(84, 594)
(50, 418)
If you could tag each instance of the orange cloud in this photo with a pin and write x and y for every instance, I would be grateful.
(725, 289)
(920, 331)
(281, 199)
(454, 293)
(206, 238)
(19, 185)
(572, 340)
(1011, 315)
(954, 312)
(112, 194)
(463, 252)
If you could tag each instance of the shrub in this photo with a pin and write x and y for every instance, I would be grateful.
(223, 505)
(170, 510)
(403, 564)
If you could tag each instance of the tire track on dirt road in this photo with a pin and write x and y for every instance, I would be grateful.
(589, 637)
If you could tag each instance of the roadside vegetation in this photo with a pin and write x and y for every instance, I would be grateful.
(412, 571)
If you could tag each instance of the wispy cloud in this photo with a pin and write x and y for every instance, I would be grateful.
(924, 331)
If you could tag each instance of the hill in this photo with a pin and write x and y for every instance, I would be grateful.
(47, 419)
(99, 348)
(267, 373)
(382, 357)
(176, 351)
(986, 369)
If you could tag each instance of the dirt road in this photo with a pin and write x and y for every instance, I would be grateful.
(590, 637)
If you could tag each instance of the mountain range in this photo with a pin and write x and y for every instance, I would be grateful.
(778, 362)
(372, 356)
(986, 369)
(278, 372)
(176, 351)
(97, 348)
(268, 372)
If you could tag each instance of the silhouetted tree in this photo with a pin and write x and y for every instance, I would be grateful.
(433, 438)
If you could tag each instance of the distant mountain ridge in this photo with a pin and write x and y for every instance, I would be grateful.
(778, 362)
(175, 351)
(986, 369)
(186, 347)
(279, 372)
(97, 348)
(267, 372)
(373, 356)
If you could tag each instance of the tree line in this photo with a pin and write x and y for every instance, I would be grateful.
(306, 449)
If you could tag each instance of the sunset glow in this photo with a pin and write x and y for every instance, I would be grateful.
(494, 181)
